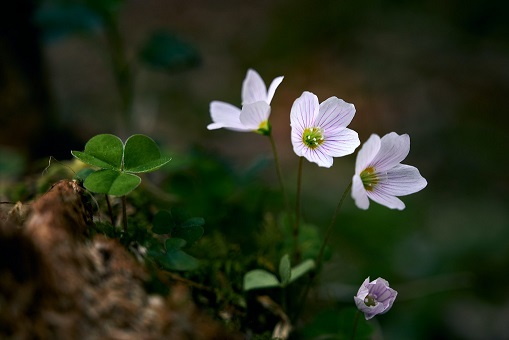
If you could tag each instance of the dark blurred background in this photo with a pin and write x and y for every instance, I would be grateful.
(438, 71)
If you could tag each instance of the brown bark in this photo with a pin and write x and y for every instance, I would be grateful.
(55, 282)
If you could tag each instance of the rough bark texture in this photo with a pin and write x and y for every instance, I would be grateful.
(55, 282)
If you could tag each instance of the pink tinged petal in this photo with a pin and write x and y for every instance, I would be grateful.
(393, 149)
(401, 180)
(253, 88)
(304, 110)
(272, 88)
(367, 153)
(343, 142)
(359, 194)
(252, 115)
(317, 156)
(226, 116)
(384, 199)
(334, 113)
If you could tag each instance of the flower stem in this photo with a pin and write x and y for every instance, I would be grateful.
(355, 323)
(124, 213)
(110, 211)
(297, 212)
(278, 170)
(319, 258)
(328, 233)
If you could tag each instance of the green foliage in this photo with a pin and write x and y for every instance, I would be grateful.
(118, 162)
(167, 52)
(260, 278)
(173, 258)
(183, 233)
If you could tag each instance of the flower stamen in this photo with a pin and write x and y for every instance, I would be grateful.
(369, 178)
(312, 137)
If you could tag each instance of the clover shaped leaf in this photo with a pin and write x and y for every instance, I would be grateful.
(118, 162)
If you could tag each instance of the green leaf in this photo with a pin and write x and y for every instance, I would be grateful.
(176, 259)
(141, 154)
(259, 278)
(104, 151)
(285, 272)
(83, 174)
(174, 243)
(302, 269)
(191, 234)
(193, 222)
(162, 223)
(111, 182)
(165, 51)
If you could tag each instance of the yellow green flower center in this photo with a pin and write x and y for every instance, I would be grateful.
(312, 137)
(264, 128)
(369, 178)
(369, 301)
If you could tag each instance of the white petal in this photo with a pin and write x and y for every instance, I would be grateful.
(389, 201)
(304, 110)
(253, 88)
(367, 153)
(252, 115)
(341, 143)
(335, 113)
(225, 115)
(317, 156)
(359, 193)
(298, 145)
(393, 149)
(401, 180)
(272, 88)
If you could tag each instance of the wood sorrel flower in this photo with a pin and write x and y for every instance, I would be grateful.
(375, 297)
(319, 131)
(379, 174)
(255, 112)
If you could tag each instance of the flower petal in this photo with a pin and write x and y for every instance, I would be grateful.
(252, 115)
(382, 198)
(393, 149)
(367, 153)
(304, 110)
(317, 156)
(401, 180)
(272, 88)
(359, 193)
(334, 113)
(226, 116)
(341, 142)
(253, 88)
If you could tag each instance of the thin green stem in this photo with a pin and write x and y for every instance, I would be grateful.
(355, 323)
(110, 211)
(124, 213)
(328, 233)
(279, 173)
(296, 225)
(319, 258)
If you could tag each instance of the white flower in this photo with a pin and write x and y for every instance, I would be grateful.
(379, 174)
(375, 297)
(255, 111)
(319, 131)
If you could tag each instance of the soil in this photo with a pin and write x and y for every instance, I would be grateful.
(58, 282)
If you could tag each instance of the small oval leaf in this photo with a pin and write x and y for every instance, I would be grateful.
(111, 182)
(104, 151)
(301, 269)
(259, 278)
(141, 154)
(285, 271)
